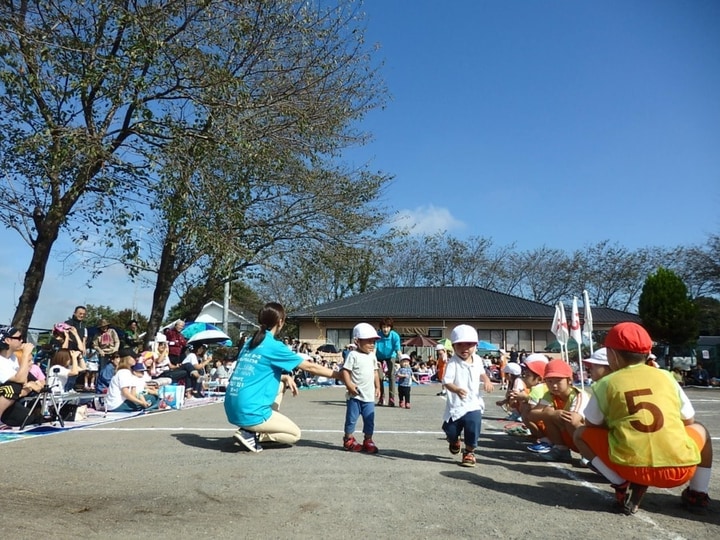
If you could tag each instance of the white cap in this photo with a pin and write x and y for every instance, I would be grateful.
(536, 357)
(598, 357)
(513, 368)
(439, 347)
(464, 334)
(651, 356)
(364, 330)
(404, 356)
(160, 338)
(352, 346)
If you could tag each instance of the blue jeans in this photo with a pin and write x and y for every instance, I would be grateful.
(355, 408)
(129, 406)
(470, 423)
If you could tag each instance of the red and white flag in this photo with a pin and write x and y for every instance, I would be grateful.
(559, 325)
(575, 330)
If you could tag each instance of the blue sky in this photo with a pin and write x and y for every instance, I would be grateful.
(556, 123)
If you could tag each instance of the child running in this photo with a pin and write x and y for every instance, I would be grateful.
(360, 375)
(464, 403)
(640, 429)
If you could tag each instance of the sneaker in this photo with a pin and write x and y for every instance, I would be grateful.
(557, 454)
(540, 448)
(441, 393)
(454, 447)
(248, 439)
(402, 404)
(351, 445)
(468, 459)
(695, 501)
(628, 496)
(391, 402)
(369, 446)
(380, 403)
(407, 405)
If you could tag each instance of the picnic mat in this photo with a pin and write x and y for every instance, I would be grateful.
(94, 418)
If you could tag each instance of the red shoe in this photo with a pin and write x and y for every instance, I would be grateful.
(351, 445)
(407, 405)
(391, 402)
(369, 446)
(695, 501)
(402, 404)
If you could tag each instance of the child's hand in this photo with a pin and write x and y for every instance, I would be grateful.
(461, 392)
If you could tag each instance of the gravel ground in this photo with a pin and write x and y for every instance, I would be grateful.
(177, 474)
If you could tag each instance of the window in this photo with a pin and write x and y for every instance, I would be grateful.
(435, 333)
(339, 336)
(520, 339)
(491, 336)
(543, 338)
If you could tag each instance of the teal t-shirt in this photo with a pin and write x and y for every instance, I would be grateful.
(254, 383)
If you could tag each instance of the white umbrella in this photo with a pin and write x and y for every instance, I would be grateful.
(209, 336)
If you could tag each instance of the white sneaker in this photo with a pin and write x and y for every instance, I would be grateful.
(248, 439)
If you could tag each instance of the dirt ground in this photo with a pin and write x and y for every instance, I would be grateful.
(171, 475)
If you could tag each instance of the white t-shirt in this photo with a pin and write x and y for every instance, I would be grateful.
(362, 368)
(466, 375)
(123, 378)
(191, 359)
(8, 367)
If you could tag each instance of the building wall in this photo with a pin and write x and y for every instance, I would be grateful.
(315, 332)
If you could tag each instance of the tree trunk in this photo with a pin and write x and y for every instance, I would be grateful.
(166, 276)
(35, 274)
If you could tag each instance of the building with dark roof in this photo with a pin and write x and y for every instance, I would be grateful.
(502, 319)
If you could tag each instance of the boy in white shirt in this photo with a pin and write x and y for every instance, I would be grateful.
(360, 375)
(464, 404)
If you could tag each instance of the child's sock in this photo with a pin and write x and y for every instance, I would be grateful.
(607, 472)
(701, 480)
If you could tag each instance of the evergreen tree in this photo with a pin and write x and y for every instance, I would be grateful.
(666, 309)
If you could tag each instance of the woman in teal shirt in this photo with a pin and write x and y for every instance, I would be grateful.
(261, 376)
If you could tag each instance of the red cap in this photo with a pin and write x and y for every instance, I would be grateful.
(629, 336)
(558, 368)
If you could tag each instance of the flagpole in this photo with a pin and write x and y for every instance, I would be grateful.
(588, 327)
(576, 333)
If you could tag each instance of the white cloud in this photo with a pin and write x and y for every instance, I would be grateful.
(427, 220)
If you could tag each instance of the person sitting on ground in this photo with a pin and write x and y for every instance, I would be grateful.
(699, 376)
(640, 428)
(162, 360)
(105, 376)
(678, 376)
(63, 369)
(533, 371)
(121, 394)
(561, 410)
(146, 388)
(197, 357)
(15, 379)
(516, 385)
